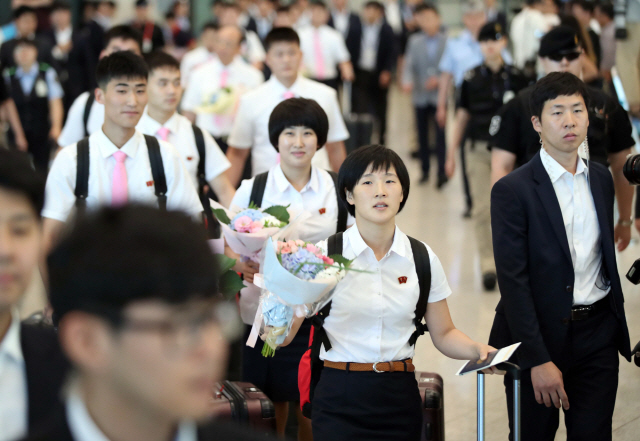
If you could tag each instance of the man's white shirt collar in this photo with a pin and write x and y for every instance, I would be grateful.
(10, 345)
(108, 148)
(83, 428)
(153, 126)
(556, 171)
(279, 87)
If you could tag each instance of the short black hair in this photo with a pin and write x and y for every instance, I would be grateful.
(121, 64)
(375, 4)
(586, 5)
(606, 7)
(159, 59)
(280, 35)
(22, 10)
(117, 256)
(123, 32)
(319, 3)
(24, 41)
(378, 157)
(426, 7)
(60, 5)
(554, 85)
(298, 112)
(18, 175)
(210, 26)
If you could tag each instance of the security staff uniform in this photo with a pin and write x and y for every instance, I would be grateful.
(481, 94)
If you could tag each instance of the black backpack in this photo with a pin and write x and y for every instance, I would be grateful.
(213, 227)
(310, 364)
(157, 170)
(260, 183)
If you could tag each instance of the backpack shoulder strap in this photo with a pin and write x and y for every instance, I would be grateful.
(82, 174)
(257, 191)
(423, 270)
(197, 133)
(87, 110)
(157, 170)
(343, 214)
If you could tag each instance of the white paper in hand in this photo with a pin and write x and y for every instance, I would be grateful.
(493, 359)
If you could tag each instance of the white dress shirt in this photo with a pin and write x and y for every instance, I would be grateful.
(83, 428)
(252, 49)
(73, 130)
(61, 182)
(192, 60)
(369, 46)
(318, 198)
(527, 28)
(581, 224)
(341, 21)
(333, 49)
(372, 314)
(182, 138)
(251, 126)
(63, 37)
(241, 77)
(13, 384)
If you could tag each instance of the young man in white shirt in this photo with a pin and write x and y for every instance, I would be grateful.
(323, 48)
(144, 330)
(250, 132)
(32, 366)
(211, 82)
(161, 119)
(200, 55)
(86, 115)
(120, 169)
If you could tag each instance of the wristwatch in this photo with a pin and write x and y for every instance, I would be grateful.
(625, 223)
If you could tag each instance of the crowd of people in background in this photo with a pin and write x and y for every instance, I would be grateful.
(156, 111)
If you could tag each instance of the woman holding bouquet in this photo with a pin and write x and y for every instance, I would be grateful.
(372, 313)
(298, 127)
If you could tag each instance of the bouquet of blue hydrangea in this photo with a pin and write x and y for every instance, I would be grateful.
(297, 279)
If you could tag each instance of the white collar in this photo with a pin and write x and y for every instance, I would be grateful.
(172, 123)
(10, 344)
(108, 148)
(282, 183)
(555, 170)
(82, 426)
(358, 245)
(280, 88)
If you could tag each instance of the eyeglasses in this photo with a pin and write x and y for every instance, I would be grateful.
(186, 328)
(570, 56)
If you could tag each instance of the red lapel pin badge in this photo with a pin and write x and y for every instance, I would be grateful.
(149, 183)
(189, 158)
(402, 280)
(322, 210)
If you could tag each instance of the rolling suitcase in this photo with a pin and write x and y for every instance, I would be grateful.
(244, 403)
(431, 393)
(513, 371)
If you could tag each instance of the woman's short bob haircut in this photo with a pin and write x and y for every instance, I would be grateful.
(377, 157)
(298, 112)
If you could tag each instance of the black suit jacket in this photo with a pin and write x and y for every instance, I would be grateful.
(46, 369)
(354, 35)
(534, 267)
(57, 429)
(44, 52)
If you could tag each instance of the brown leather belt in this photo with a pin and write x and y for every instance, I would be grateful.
(379, 367)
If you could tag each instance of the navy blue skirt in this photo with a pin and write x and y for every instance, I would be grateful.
(350, 406)
(276, 376)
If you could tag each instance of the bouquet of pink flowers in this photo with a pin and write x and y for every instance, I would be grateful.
(298, 279)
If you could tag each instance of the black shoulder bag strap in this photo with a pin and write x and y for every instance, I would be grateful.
(82, 175)
(342, 209)
(423, 270)
(257, 191)
(213, 228)
(320, 338)
(87, 110)
(157, 170)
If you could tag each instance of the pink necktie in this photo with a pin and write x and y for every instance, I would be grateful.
(317, 49)
(119, 194)
(163, 133)
(288, 94)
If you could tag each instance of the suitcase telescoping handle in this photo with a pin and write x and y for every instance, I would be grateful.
(513, 371)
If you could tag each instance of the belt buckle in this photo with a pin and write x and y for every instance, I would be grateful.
(376, 370)
(580, 313)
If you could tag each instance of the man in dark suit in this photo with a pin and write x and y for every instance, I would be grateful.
(144, 332)
(374, 65)
(26, 22)
(32, 365)
(561, 296)
(348, 24)
(152, 36)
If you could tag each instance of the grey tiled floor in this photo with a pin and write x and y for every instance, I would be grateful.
(436, 217)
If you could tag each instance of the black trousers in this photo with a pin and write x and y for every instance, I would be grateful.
(425, 116)
(590, 374)
(369, 97)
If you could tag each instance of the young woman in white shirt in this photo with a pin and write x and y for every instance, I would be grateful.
(372, 313)
(298, 127)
